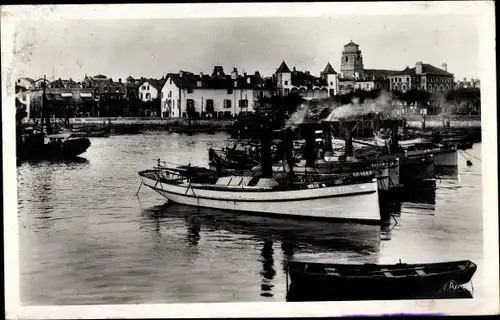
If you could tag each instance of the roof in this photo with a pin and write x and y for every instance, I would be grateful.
(28, 79)
(300, 78)
(191, 80)
(378, 74)
(283, 68)
(329, 69)
(427, 69)
(101, 76)
(157, 83)
(351, 44)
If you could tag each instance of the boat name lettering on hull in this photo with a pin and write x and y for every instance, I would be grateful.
(383, 164)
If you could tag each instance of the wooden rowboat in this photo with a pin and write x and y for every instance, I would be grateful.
(324, 281)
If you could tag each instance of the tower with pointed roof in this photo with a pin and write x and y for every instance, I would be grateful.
(283, 79)
(351, 65)
(330, 76)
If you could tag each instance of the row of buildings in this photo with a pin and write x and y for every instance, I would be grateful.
(221, 94)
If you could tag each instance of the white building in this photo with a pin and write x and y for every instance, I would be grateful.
(150, 89)
(211, 95)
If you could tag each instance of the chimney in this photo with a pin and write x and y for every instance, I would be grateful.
(120, 80)
(234, 74)
(294, 70)
(444, 66)
(418, 68)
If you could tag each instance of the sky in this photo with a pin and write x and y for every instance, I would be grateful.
(118, 48)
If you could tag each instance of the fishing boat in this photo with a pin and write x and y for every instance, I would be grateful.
(193, 129)
(331, 199)
(46, 143)
(335, 198)
(325, 281)
(91, 132)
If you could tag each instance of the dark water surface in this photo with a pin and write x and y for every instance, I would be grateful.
(85, 238)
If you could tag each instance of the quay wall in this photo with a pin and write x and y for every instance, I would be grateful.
(413, 121)
(455, 121)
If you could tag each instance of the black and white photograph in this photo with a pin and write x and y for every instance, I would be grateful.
(246, 159)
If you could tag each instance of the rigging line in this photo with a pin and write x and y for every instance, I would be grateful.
(471, 155)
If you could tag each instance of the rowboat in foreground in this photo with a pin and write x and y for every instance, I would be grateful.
(323, 281)
(349, 199)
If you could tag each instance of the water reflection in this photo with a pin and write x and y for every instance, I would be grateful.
(268, 271)
(193, 228)
(57, 162)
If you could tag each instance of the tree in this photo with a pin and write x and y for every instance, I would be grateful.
(466, 100)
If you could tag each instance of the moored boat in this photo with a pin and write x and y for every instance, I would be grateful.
(325, 281)
(330, 199)
(416, 168)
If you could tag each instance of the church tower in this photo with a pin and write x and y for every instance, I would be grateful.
(352, 61)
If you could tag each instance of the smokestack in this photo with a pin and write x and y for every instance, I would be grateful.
(348, 142)
(444, 66)
(288, 161)
(395, 143)
(265, 141)
(309, 150)
(328, 137)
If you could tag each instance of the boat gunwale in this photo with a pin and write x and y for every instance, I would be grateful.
(378, 267)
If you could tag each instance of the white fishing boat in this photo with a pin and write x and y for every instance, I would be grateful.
(336, 199)
(443, 156)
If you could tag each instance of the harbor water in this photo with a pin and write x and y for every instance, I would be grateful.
(86, 238)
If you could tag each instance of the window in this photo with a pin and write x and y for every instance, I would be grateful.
(170, 93)
(227, 103)
(346, 59)
(331, 83)
(243, 103)
(229, 90)
(286, 83)
(287, 91)
(140, 95)
(143, 87)
(367, 86)
(190, 90)
(148, 95)
(407, 79)
(148, 87)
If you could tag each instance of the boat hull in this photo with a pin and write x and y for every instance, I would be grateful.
(405, 283)
(357, 203)
(416, 168)
(442, 157)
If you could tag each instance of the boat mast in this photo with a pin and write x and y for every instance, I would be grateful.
(43, 103)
